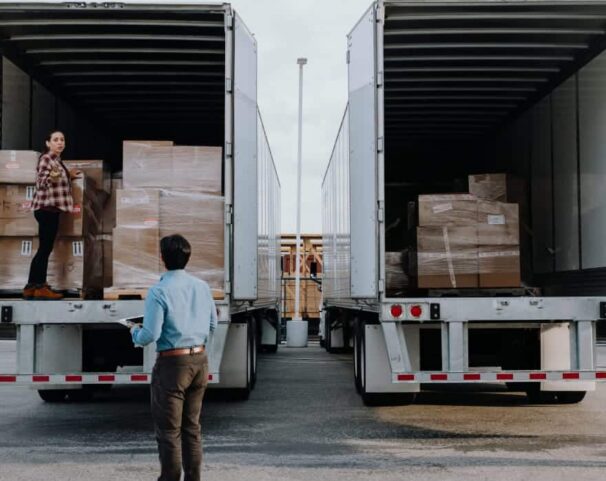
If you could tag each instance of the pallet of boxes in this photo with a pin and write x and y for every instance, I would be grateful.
(167, 189)
(76, 264)
(470, 240)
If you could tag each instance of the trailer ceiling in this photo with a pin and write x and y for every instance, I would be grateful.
(461, 69)
(134, 67)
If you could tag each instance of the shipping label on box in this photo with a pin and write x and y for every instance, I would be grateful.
(448, 209)
(137, 208)
(498, 224)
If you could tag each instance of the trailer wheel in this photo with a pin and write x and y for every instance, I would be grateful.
(570, 397)
(358, 335)
(53, 395)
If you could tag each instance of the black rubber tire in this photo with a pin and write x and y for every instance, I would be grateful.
(389, 399)
(270, 349)
(536, 396)
(53, 395)
(252, 350)
(570, 397)
(357, 356)
(81, 395)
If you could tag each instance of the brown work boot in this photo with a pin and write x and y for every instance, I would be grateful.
(44, 293)
(29, 291)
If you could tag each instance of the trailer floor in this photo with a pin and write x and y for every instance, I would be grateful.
(304, 421)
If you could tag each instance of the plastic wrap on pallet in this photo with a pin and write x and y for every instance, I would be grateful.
(109, 209)
(136, 257)
(396, 279)
(75, 263)
(499, 266)
(18, 166)
(144, 216)
(149, 165)
(448, 209)
(489, 187)
(447, 257)
(498, 224)
(16, 216)
(200, 218)
(86, 218)
(96, 170)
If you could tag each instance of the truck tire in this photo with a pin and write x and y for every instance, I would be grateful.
(570, 397)
(358, 334)
(53, 395)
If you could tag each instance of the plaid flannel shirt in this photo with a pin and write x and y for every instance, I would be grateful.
(52, 191)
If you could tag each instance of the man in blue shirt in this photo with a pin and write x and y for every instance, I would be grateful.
(180, 316)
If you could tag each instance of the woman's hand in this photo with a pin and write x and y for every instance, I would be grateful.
(75, 174)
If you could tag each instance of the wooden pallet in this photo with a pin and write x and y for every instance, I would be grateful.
(140, 293)
(124, 293)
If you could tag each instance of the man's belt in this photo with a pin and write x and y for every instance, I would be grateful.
(184, 351)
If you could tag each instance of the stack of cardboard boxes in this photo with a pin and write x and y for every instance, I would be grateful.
(76, 261)
(469, 240)
(168, 189)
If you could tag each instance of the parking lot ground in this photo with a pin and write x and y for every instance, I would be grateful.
(304, 421)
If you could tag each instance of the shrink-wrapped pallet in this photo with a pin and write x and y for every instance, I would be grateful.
(499, 266)
(16, 216)
(96, 170)
(86, 218)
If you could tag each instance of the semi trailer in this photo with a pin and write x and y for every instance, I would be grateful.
(107, 72)
(440, 90)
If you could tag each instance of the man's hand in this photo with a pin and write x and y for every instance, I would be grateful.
(134, 327)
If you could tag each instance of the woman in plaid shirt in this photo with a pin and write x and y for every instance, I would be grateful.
(53, 196)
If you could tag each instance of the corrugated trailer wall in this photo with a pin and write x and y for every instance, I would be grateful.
(564, 137)
(30, 111)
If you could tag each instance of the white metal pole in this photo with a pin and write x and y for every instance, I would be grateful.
(301, 62)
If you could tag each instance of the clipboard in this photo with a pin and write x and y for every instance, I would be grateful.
(129, 322)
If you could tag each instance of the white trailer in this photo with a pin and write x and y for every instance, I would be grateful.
(103, 72)
(439, 90)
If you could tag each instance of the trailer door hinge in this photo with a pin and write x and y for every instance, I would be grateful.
(227, 287)
(380, 214)
(380, 144)
(228, 151)
(229, 20)
(380, 79)
(347, 57)
(228, 85)
(229, 215)
(381, 286)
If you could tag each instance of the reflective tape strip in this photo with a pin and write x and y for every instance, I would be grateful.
(498, 377)
(85, 378)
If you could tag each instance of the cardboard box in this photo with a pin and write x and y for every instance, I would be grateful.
(86, 218)
(499, 266)
(157, 165)
(199, 217)
(96, 170)
(447, 257)
(15, 261)
(75, 263)
(16, 216)
(448, 209)
(136, 257)
(497, 187)
(18, 166)
(396, 279)
(498, 224)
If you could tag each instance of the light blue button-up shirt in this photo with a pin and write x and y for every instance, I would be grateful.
(179, 312)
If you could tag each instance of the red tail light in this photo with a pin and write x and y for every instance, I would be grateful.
(396, 310)
(416, 311)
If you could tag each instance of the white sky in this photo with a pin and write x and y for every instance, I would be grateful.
(286, 30)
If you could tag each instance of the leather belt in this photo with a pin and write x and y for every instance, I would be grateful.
(181, 351)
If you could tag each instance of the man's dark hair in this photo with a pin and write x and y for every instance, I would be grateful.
(175, 251)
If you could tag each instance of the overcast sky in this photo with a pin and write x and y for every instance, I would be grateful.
(286, 30)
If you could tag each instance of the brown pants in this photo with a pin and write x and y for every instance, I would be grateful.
(177, 390)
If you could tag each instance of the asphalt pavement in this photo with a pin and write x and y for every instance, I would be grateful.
(304, 421)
